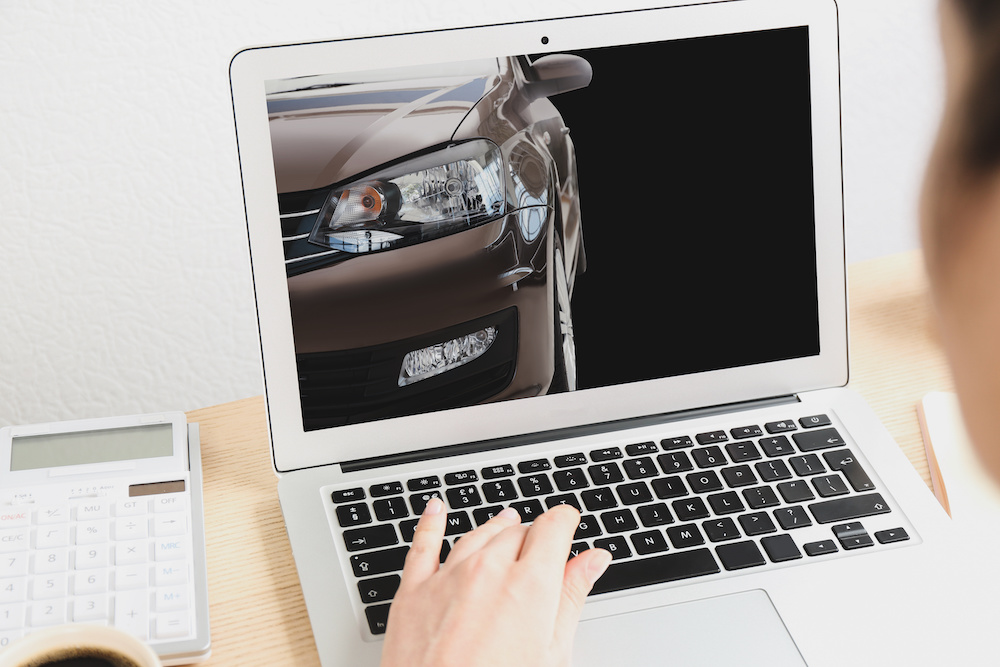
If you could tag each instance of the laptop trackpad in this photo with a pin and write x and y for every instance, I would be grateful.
(739, 629)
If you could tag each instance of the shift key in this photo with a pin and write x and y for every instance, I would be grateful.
(852, 507)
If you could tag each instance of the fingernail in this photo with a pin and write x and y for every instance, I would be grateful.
(509, 513)
(434, 506)
(598, 564)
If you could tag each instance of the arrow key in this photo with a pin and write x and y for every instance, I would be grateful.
(891, 535)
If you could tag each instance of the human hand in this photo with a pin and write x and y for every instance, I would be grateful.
(504, 596)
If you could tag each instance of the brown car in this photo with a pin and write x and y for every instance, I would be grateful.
(431, 228)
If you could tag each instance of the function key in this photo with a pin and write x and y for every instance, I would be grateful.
(711, 437)
(676, 443)
(568, 460)
(528, 467)
(423, 483)
(463, 477)
(814, 421)
(386, 489)
(780, 427)
(494, 472)
(641, 448)
(347, 495)
(745, 432)
(823, 439)
(607, 454)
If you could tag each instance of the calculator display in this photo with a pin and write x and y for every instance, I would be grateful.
(52, 450)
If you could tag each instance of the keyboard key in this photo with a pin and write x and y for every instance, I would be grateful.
(708, 457)
(852, 536)
(676, 443)
(820, 548)
(619, 521)
(577, 548)
(424, 483)
(690, 509)
(568, 480)
(704, 482)
(640, 468)
(587, 528)
(830, 485)
(780, 548)
(656, 570)
(656, 514)
(616, 545)
(458, 523)
(418, 501)
(792, 517)
(378, 562)
(649, 542)
(570, 460)
(740, 452)
(726, 503)
(719, 530)
(842, 460)
(463, 496)
(528, 509)
(353, 515)
(684, 536)
(740, 555)
(852, 507)
(711, 437)
(605, 473)
(372, 537)
(563, 499)
(387, 509)
(757, 523)
(406, 529)
(347, 495)
(641, 448)
(599, 499)
(484, 514)
(814, 421)
(607, 454)
(635, 493)
(537, 465)
(535, 485)
(826, 438)
(738, 476)
(891, 535)
(669, 487)
(673, 462)
(745, 432)
(378, 618)
(808, 464)
(780, 427)
(772, 471)
(778, 445)
(501, 491)
(796, 491)
(495, 472)
(385, 489)
(760, 496)
(463, 477)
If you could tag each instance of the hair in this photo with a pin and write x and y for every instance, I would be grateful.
(979, 145)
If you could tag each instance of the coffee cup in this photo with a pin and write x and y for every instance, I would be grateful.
(79, 645)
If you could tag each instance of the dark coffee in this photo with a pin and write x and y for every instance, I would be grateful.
(82, 657)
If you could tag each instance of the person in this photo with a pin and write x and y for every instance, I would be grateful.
(506, 594)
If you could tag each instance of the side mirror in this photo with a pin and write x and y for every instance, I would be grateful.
(557, 73)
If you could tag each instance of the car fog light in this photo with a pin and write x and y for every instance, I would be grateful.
(436, 359)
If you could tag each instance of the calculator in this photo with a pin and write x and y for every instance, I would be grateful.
(101, 521)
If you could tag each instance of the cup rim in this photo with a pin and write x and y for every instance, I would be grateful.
(75, 635)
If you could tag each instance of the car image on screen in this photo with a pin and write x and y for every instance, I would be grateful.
(430, 220)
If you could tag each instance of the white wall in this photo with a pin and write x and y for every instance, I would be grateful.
(124, 277)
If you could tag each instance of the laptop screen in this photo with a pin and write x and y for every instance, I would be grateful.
(508, 228)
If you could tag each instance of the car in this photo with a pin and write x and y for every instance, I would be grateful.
(430, 219)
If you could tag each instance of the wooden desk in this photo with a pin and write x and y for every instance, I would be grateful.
(258, 614)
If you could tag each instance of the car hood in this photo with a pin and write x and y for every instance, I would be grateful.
(321, 137)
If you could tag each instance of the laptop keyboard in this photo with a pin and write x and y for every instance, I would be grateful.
(683, 507)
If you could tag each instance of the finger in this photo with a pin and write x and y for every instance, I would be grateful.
(549, 540)
(475, 540)
(425, 551)
(580, 575)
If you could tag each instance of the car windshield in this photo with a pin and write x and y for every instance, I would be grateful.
(305, 84)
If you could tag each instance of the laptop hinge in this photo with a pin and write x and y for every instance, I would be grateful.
(560, 434)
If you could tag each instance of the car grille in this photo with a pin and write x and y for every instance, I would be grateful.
(360, 385)
(298, 211)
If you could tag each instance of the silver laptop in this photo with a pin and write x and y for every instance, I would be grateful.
(596, 260)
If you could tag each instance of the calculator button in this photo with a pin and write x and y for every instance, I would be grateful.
(55, 535)
(131, 507)
(14, 539)
(48, 587)
(14, 519)
(49, 515)
(12, 616)
(51, 560)
(170, 503)
(88, 583)
(13, 590)
(171, 598)
(165, 525)
(169, 574)
(91, 556)
(51, 612)
(96, 509)
(91, 532)
(132, 613)
(128, 577)
(170, 549)
(90, 608)
(130, 553)
(171, 625)
(13, 565)
(131, 528)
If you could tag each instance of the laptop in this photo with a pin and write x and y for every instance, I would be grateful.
(595, 260)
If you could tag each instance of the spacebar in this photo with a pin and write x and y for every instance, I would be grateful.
(656, 570)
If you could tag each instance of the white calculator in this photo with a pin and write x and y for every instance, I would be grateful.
(101, 521)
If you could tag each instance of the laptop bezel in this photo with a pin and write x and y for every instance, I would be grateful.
(294, 448)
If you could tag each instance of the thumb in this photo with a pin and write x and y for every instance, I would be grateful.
(580, 574)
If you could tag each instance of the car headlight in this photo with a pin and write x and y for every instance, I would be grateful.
(440, 193)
